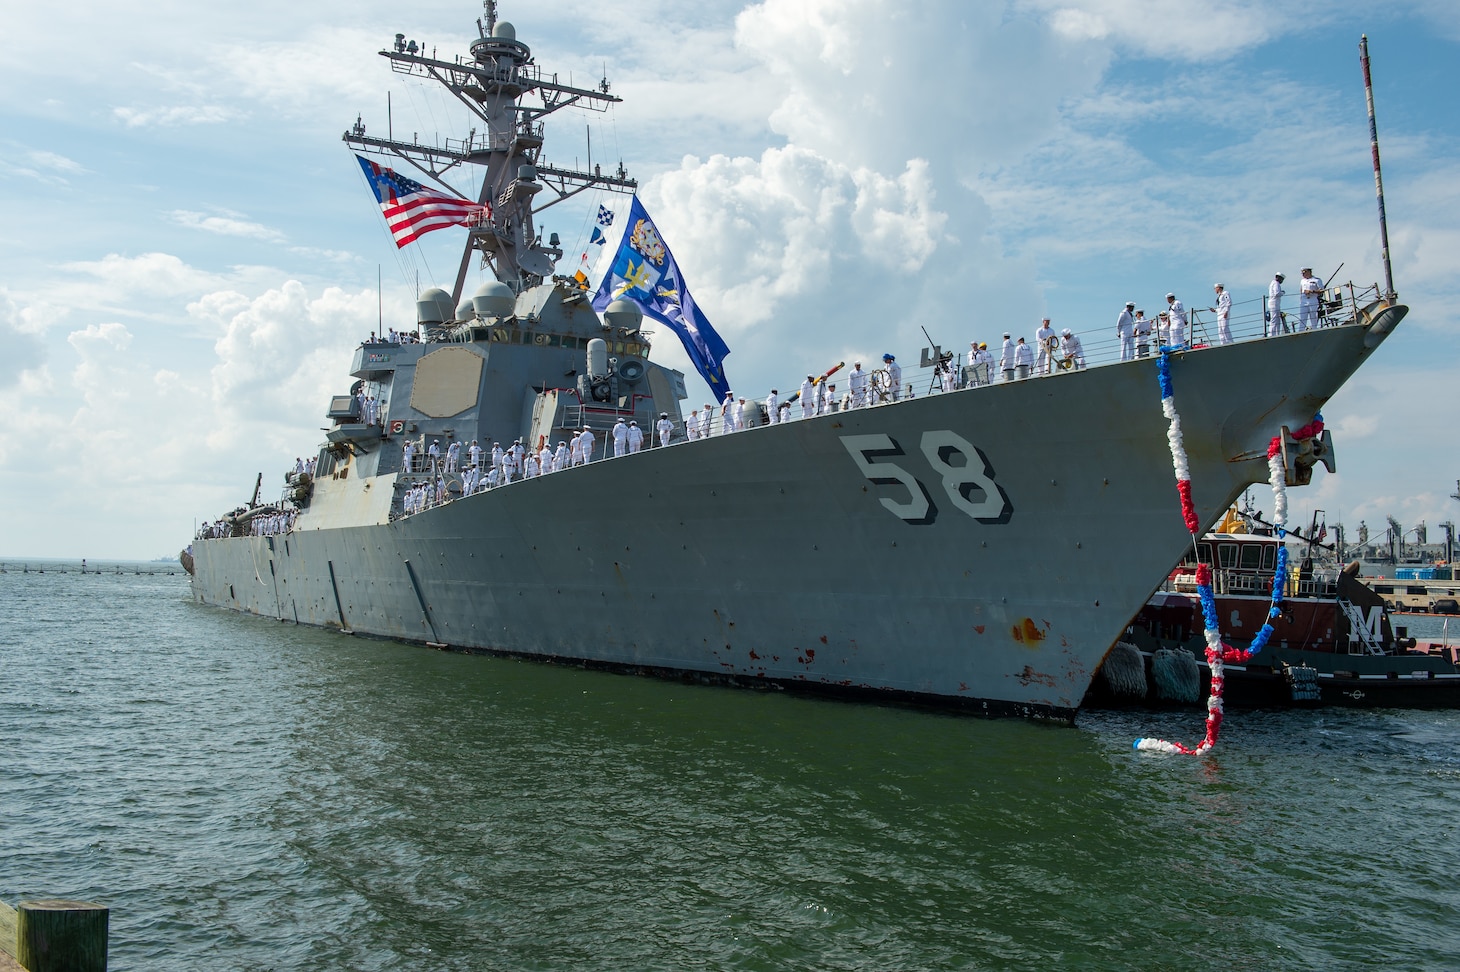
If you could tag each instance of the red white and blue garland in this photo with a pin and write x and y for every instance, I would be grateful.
(1219, 654)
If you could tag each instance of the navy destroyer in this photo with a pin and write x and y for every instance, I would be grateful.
(915, 548)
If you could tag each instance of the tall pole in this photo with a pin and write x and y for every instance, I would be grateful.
(1378, 176)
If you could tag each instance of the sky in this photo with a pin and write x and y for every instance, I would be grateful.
(190, 253)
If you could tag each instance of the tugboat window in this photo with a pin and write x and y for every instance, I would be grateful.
(1204, 552)
(1228, 553)
(1251, 556)
(1269, 558)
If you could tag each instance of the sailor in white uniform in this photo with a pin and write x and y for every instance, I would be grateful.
(785, 411)
(1310, 289)
(728, 413)
(1275, 307)
(560, 456)
(894, 375)
(1177, 310)
(692, 426)
(665, 428)
(808, 397)
(475, 454)
(453, 456)
(497, 455)
(545, 457)
(1125, 329)
(1073, 349)
(1023, 358)
(858, 383)
(1006, 358)
(589, 443)
(636, 437)
(1043, 337)
(742, 414)
(1223, 310)
(620, 438)
(772, 405)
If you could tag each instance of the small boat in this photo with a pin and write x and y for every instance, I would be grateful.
(1333, 643)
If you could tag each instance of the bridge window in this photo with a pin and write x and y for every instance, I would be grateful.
(1269, 557)
(1251, 556)
(1227, 553)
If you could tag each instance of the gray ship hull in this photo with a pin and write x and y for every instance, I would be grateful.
(852, 552)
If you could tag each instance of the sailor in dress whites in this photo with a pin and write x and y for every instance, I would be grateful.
(1073, 349)
(742, 414)
(1023, 358)
(1223, 310)
(1275, 293)
(1006, 358)
(808, 397)
(894, 375)
(858, 384)
(692, 426)
(728, 413)
(545, 457)
(706, 417)
(785, 411)
(1125, 329)
(1177, 311)
(620, 438)
(772, 404)
(560, 456)
(636, 437)
(665, 428)
(1044, 360)
(453, 456)
(474, 453)
(589, 443)
(1310, 290)
(497, 457)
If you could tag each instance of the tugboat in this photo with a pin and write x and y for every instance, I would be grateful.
(1333, 644)
(905, 548)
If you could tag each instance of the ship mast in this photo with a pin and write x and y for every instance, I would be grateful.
(1378, 175)
(490, 84)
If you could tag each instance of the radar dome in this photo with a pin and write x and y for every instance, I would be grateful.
(494, 298)
(504, 31)
(433, 306)
(623, 313)
(466, 311)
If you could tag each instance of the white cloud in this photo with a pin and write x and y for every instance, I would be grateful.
(228, 224)
(1177, 30)
(172, 115)
(100, 339)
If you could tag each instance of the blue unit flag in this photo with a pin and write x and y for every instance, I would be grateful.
(644, 271)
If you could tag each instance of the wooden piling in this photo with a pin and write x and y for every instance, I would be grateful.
(55, 935)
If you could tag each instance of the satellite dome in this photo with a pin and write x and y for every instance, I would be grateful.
(494, 299)
(623, 313)
(466, 311)
(504, 31)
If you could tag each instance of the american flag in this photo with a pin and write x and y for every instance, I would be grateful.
(412, 210)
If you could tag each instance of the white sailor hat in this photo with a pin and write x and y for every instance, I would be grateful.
(1307, 270)
(1131, 304)
(632, 422)
(1067, 332)
(1170, 296)
(664, 415)
(1217, 286)
(620, 420)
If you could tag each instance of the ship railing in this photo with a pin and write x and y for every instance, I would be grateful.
(1101, 344)
(1258, 583)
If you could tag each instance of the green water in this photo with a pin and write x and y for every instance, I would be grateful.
(246, 794)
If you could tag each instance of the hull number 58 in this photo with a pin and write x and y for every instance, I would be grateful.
(967, 477)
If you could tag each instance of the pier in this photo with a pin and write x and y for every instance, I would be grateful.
(53, 935)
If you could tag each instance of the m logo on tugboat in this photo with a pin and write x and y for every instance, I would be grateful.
(969, 485)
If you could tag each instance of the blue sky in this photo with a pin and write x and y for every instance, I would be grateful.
(190, 254)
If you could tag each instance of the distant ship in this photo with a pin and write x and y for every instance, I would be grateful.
(981, 548)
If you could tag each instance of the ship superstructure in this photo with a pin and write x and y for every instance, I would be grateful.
(981, 547)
